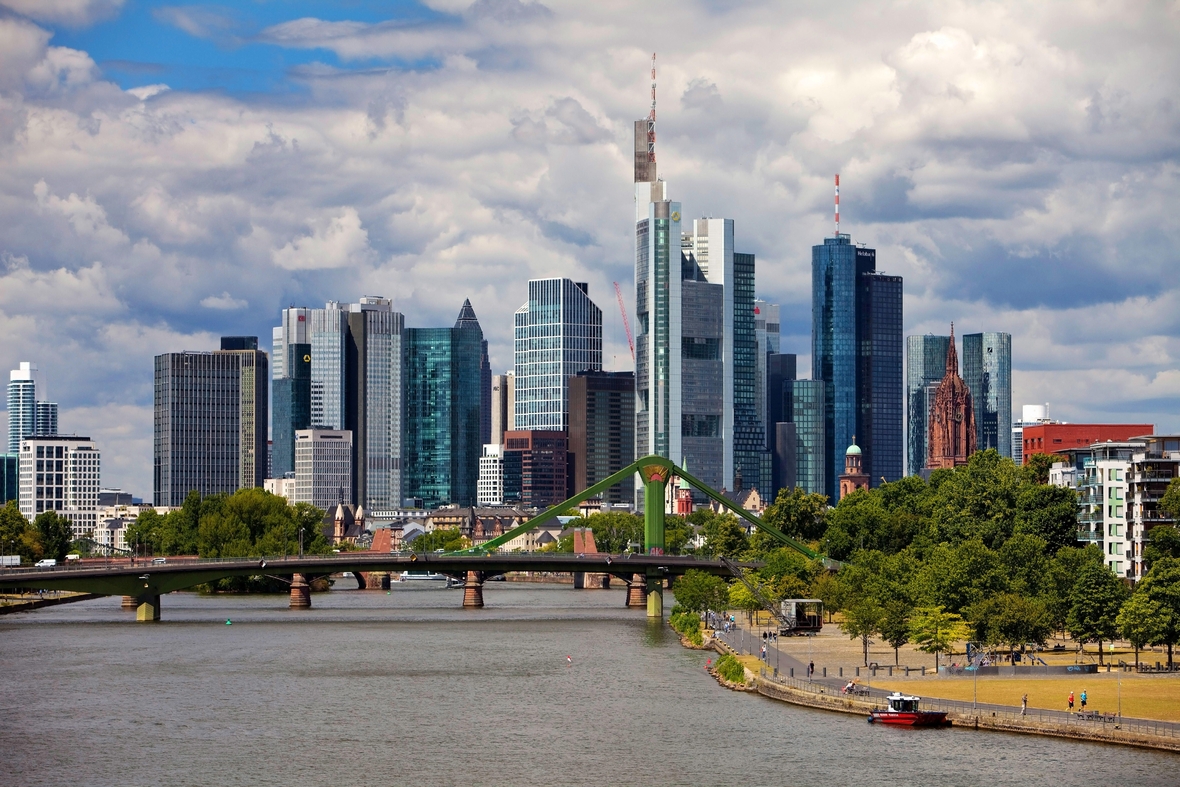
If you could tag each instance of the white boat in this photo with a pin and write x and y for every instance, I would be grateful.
(420, 575)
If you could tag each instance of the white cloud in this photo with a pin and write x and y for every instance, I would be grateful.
(223, 302)
(75, 13)
(1015, 162)
(337, 241)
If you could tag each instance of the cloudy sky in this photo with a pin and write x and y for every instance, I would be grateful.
(170, 173)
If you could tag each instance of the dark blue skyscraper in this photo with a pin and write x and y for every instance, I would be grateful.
(925, 367)
(856, 339)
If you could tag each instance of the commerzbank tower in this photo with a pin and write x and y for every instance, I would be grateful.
(695, 348)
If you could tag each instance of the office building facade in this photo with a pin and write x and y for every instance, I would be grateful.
(541, 456)
(987, 370)
(290, 387)
(925, 368)
(557, 333)
(503, 401)
(766, 335)
(490, 487)
(209, 424)
(441, 447)
(602, 430)
(857, 352)
(795, 413)
(323, 467)
(61, 473)
(9, 477)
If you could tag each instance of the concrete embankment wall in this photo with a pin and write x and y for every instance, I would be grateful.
(1106, 733)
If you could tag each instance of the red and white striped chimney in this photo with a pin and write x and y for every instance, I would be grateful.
(837, 204)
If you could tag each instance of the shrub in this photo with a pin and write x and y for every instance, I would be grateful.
(731, 669)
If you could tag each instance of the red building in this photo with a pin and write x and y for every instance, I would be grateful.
(1056, 438)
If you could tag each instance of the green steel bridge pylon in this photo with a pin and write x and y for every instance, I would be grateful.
(656, 472)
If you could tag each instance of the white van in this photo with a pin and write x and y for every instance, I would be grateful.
(46, 563)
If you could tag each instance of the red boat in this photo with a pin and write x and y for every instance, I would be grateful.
(904, 710)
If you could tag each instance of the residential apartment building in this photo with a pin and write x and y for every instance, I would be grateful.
(1058, 438)
(61, 473)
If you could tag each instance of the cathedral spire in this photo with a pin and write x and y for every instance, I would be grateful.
(952, 357)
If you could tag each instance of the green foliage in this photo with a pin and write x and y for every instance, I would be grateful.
(1164, 540)
(862, 618)
(448, 540)
(935, 630)
(1170, 502)
(698, 591)
(724, 536)
(1050, 513)
(678, 534)
(978, 501)
(563, 544)
(1162, 585)
(688, 624)
(1037, 467)
(895, 624)
(614, 530)
(731, 669)
(1095, 601)
(741, 598)
(1011, 619)
(828, 589)
(797, 514)
(55, 534)
(1142, 621)
(17, 536)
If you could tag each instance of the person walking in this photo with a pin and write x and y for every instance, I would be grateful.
(764, 652)
(1083, 699)
(1024, 705)
(810, 669)
(1071, 702)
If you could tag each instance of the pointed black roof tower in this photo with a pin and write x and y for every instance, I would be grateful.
(467, 318)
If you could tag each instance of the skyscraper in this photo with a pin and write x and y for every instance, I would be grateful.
(22, 405)
(987, 370)
(210, 422)
(541, 455)
(557, 333)
(857, 344)
(291, 387)
(766, 334)
(925, 367)
(795, 413)
(323, 467)
(602, 430)
(503, 406)
(441, 447)
(63, 474)
(46, 418)
(356, 384)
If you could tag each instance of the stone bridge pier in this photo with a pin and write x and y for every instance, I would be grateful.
(147, 608)
(473, 590)
(300, 592)
(637, 591)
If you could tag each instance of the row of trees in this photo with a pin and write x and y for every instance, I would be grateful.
(50, 535)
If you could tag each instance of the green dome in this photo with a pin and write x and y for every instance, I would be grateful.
(853, 450)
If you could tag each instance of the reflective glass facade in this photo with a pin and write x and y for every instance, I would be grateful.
(22, 405)
(557, 334)
(290, 407)
(602, 430)
(441, 447)
(925, 365)
(809, 416)
(857, 351)
(749, 431)
(987, 370)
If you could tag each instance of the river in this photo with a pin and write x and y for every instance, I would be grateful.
(408, 688)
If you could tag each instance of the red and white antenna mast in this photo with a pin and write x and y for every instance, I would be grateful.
(651, 117)
(837, 204)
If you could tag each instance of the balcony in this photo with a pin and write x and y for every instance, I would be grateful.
(1086, 534)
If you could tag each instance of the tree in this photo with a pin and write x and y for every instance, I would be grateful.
(1037, 467)
(934, 630)
(828, 590)
(862, 618)
(447, 539)
(699, 591)
(615, 530)
(895, 625)
(1011, 619)
(725, 537)
(17, 536)
(56, 532)
(1170, 502)
(1142, 621)
(741, 598)
(1050, 513)
(1162, 585)
(1164, 540)
(1094, 606)
(798, 514)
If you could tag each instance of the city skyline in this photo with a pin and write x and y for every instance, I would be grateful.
(147, 238)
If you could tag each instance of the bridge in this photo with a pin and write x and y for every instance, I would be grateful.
(644, 573)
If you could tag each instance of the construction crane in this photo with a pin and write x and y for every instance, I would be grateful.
(626, 324)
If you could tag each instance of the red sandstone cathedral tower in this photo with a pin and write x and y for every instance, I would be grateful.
(952, 418)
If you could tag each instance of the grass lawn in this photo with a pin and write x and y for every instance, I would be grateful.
(1144, 696)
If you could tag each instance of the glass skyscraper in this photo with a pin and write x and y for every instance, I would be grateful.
(987, 370)
(290, 387)
(441, 444)
(925, 366)
(857, 352)
(557, 334)
(809, 416)
(22, 405)
(749, 431)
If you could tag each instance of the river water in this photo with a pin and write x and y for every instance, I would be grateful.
(408, 688)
